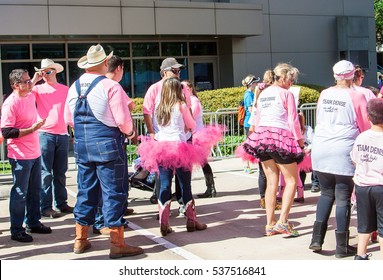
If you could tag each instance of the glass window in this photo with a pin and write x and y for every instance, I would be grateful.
(174, 49)
(126, 82)
(203, 48)
(120, 49)
(78, 50)
(41, 51)
(74, 72)
(145, 73)
(19, 51)
(145, 49)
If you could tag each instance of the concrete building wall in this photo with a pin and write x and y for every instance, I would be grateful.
(305, 34)
(254, 35)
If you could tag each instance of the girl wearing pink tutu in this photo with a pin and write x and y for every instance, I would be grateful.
(277, 142)
(170, 153)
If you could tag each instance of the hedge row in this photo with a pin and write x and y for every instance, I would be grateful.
(212, 100)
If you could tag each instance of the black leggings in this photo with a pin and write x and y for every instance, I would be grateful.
(262, 183)
(335, 188)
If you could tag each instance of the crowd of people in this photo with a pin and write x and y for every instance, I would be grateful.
(341, 154)
(344, 151)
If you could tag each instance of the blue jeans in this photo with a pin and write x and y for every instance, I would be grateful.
(24, 202)
(54, 164)
(184, 178)
(109, 176)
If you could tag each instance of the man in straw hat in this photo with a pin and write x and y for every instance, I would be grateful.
(97, 109)
(50, 99)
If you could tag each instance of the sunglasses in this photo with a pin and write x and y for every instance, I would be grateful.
(175, 71)
(26, 82)
(48, 72)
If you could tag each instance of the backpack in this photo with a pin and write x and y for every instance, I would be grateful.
(241, 112)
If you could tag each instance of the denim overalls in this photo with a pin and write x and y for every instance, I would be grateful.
(99, 154)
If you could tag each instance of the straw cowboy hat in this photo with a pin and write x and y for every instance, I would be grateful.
(47, 63)
(95, 56)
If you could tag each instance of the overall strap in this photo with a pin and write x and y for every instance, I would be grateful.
(91, 86)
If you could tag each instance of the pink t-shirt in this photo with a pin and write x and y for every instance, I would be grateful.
(366, 92)
(20, 112)
(367, 154)
(50, 101)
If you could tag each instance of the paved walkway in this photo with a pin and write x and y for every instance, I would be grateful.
(235, 226)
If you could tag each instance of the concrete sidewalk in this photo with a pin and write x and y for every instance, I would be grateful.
(235, 226)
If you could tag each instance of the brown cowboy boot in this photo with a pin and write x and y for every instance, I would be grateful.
(164, 213)
(81, 243)
(192, 224)
(119, 248)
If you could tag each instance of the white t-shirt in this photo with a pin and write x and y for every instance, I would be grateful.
(367, 154)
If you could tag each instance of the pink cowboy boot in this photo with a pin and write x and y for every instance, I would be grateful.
(164, 214)
(192, 224)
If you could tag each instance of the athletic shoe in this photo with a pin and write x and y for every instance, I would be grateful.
(360, 258)
(286, 228)
(270, 230)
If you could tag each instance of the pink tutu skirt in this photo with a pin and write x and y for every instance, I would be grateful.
(173, 155)
(267, 140)
(306, 164)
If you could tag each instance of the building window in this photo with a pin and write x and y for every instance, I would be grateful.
(52, 51)
(145, 73)
(126, 82)
(203, 48)
(78, 50)
(19, 51)
(170, 49)
(145, 49)
(120, 49)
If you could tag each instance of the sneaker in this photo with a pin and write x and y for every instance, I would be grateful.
(181, 211)
(248, 170)
(39, 229)
(286, 228)
(22, 237)
(50, 213)
(270, 230)
(315, 188)
(360, 258)
(66, 209)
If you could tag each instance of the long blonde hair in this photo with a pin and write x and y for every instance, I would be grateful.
(171, 95)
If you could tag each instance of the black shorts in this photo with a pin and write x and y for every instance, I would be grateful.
(277, 158)
(369, 203)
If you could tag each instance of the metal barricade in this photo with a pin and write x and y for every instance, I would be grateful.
(228, 117)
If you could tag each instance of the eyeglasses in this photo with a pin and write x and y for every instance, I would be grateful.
(26, 82)
(48, 72)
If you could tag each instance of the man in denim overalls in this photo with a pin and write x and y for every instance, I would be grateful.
(97, 109)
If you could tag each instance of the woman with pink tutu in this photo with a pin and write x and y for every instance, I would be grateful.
(170, 153)
(277, 143)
